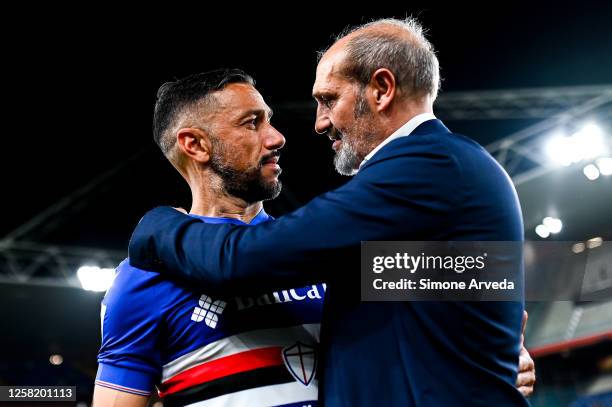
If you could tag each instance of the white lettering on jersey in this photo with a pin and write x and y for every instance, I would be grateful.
(280, 297)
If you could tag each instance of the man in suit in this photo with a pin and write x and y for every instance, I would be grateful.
(414, 180)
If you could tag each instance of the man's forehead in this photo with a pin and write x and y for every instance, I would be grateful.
(236, 97)
(329, 71)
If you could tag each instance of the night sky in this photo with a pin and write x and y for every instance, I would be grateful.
(81, 90)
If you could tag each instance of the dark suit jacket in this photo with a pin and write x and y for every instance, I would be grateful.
(431, 185)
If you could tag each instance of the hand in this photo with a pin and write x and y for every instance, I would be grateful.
(526, 373)
(181, 210)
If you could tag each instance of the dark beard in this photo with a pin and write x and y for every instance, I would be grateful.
(246, 185)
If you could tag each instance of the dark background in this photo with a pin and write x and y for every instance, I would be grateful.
(79, 87)
(80, 90)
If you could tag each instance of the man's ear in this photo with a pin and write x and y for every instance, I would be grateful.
(194, 143)
(383, 87)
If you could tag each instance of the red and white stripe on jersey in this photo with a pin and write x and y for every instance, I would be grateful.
(235, 354)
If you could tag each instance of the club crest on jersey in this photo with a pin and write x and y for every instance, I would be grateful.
(208, 311)
(301, 361)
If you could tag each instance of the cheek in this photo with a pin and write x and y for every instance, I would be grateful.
(343, 117)
(244, 154)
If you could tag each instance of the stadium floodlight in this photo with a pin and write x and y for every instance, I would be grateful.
(56, 359)
(94, 278)
(542, 231)
(594, 242)
(587, 143)
(560, 150)
(605, 165)
(554, 225)
(591, 172)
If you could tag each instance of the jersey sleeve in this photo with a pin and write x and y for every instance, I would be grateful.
(130, 358)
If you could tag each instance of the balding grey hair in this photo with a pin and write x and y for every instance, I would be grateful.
(405, 52)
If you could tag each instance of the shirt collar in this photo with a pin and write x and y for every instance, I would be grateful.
(403, 131)
(261, 217)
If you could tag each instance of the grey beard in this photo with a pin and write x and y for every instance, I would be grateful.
(346, 160)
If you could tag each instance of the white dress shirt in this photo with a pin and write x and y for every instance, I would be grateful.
(403, 131)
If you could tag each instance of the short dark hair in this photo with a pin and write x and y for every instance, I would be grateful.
(174, 97)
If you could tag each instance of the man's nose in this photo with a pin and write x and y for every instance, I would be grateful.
(322, 122)
(274, 140)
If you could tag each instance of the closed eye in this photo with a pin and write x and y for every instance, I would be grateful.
(325, 100)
